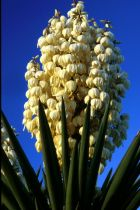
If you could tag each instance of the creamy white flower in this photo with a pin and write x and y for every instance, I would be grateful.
(43, 58)
(53, 21)
(95, 72)
(55, 58)
(106, 42)
(99, 82)
(59, 26)
(104, 96)
(71, 69)
(109, 34)
(96, 103)
(63, 19)
(94, 93)
(32, 82)
(82, 38)
(30, 125)
(96, 64)
(51, 103)
(38, 146)
(29, 65)
(109, 51)
(103, 58)
(28, 93)
(40, 75)
(92, 140)
(99, 49)
(50, 50)
(27, 114)
(65, 46)
(36, 91)
(89, 82)
(33, 101)
(43, 84)
(41, 41)
(49, 66)
(44, 97)
(26, 105)
(70, 86)
(68, 58)
(84, 25)
(66, 32)
(86, 99)
(77, 29)
(75, 48)
(50, 38)
(54, 115)
(29, 75)
(80, 6)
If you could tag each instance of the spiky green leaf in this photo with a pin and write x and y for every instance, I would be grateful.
(16, 186)
(65, 146)
(7, 197)
(94, 167)
(28, 172)
(38, 171)
(107, 179)
(52, 169)
(135, 202)
(83, 153)
(121, 173)
(72, 186)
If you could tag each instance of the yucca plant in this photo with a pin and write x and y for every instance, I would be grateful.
(74, 186)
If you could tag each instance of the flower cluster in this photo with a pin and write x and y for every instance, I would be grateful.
(81, 62)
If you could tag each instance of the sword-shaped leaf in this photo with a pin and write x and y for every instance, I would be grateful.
(94, 167)
(120, 173)
(38, 171)
(72, 186)
(106, 182)
(83, 153)
(135, 202)
(52, 169)
(28, 172)
(7, 197)
(16, 186)
(65, 146)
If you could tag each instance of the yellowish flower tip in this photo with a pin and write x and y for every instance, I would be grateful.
(79, 61)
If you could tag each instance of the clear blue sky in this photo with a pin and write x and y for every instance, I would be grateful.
(22, 25)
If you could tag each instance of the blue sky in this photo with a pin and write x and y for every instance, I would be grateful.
(22, 25)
